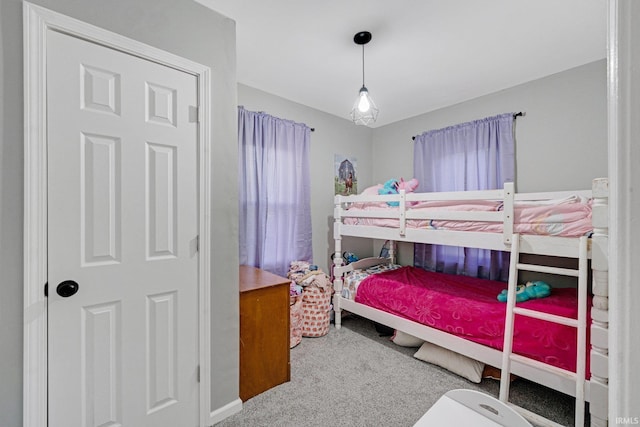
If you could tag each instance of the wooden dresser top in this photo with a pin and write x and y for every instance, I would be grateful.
(252, 278)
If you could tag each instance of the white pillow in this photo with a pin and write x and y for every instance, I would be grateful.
(452, 361)
(405, 340)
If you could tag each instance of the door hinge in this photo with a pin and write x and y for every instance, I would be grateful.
(194, 114)
(46, 289)
(198, 243)
(198, 373)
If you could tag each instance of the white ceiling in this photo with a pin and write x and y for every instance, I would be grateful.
(424, 54)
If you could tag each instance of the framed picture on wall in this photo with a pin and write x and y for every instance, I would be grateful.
(345, 177)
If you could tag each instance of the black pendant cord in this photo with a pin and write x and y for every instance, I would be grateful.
(363, 66)
(362, 38)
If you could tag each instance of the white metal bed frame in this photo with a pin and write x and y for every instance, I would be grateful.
(595, 390)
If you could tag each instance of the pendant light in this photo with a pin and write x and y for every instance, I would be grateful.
(364, 109)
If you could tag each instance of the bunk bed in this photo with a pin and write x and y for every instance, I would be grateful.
(531, 223)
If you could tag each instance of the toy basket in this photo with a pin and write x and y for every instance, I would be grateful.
(316, 308)
(295, 311)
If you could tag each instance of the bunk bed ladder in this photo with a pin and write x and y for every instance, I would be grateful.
(580, 324)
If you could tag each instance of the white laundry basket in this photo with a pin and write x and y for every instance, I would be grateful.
(470, 408)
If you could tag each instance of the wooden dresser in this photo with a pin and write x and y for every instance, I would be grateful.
(264, 331)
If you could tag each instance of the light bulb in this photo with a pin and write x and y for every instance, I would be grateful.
(364, 109)
(363, 104)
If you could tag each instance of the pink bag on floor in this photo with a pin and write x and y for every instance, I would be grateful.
(295, 310)
(316, 305)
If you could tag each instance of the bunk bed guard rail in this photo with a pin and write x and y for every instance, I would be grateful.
(403, 212)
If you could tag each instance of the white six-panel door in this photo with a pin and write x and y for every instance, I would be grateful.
(122, 221)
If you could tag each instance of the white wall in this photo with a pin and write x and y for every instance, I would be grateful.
(561, 142)
(184, 28)
(333, 135)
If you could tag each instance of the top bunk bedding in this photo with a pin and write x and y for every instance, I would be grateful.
(569, 216)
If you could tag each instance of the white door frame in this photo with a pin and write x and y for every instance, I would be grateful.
(623, 134)
(37, 21)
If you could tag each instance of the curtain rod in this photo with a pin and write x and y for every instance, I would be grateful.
(264, 112)
(518, 114)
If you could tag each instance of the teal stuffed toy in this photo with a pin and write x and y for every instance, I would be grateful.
(530, 290)
(389, 187)
(393, 186)
(538, 289)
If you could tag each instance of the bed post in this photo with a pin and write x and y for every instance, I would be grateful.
(599, 392)
(337, 262)
(508, 209)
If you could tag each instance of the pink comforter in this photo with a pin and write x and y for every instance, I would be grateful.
(468, 307)
(570, 217)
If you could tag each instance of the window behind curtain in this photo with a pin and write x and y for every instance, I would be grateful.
(477, 155)
(274, 191)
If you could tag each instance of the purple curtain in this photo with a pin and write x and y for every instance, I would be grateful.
(274, 191)
(477, 155)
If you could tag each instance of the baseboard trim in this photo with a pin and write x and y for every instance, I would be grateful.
(225, 411)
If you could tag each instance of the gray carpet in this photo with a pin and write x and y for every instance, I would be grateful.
(354, 377)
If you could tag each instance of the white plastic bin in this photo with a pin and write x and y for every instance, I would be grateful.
(470, 408)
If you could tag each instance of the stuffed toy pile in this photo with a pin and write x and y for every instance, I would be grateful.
(394, 186)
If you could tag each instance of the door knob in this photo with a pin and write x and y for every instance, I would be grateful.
(67, 288)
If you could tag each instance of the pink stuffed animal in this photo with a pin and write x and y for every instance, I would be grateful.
(408, 186)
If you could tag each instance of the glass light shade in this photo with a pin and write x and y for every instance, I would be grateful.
(364, 109)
